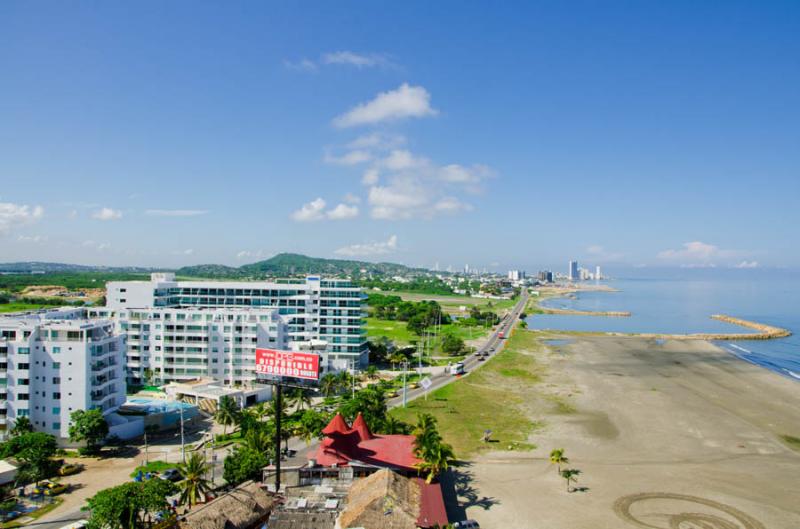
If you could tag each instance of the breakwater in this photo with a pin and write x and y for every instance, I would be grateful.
(764, 332)
(575, 312)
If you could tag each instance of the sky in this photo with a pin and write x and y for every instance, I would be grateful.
(495, 134)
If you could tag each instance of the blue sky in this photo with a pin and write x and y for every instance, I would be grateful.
(495, 134)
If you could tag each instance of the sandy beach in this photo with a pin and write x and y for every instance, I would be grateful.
(667, 435)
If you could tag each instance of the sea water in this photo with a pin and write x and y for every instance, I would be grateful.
(683, 305)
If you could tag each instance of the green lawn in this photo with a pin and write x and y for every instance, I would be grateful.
(452, 304)
(492, 398)
(18, 307)
(394, 330)
(156, 466)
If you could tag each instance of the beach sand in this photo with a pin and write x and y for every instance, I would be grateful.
(677, 435)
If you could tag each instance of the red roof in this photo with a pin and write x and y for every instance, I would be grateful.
(343, 444)
(431, 505)
(360, 425)
(336, 426)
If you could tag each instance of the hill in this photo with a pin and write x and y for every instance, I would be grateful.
(37, 267)
(291, 264)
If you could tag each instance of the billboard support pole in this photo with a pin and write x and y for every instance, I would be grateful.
(278, 410)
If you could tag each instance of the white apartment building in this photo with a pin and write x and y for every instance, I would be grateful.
(312, 309)
(178, 344)
(55, 362)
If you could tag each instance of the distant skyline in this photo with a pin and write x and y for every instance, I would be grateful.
(621, 134)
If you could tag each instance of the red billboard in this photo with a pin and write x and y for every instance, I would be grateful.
(291, 364)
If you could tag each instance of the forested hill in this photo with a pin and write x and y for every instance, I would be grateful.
(290, 264)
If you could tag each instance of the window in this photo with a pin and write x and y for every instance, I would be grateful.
(24, 382)
(24, 396)
(23, 365)
(56, 395)
(56, 350)
(24, 350)
(57, 426)
(23, 413)
(56, 365)
(56, 411)
(56, 380)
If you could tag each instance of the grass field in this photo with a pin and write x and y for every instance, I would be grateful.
(399, 334)
(452, 304)
(18, 307)
(156, 466)
(493, 398)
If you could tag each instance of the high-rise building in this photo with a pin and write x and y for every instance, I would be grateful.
(546, 276)
(573, 274)
(314, 308)
(55, 362)
(179, 344)
(516, 275)
(597, 275)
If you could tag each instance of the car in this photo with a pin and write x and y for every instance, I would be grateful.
(69, 469)
(467, 524)
(10, 515)
(56, 489)
(42, 486)
(481, 358)
(171, 474)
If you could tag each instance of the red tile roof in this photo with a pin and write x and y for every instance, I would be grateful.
(343, 444)
(431, 505)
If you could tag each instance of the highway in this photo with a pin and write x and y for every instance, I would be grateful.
(471, 363)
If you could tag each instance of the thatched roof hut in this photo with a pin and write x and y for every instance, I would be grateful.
(385, 499)
(244, 507)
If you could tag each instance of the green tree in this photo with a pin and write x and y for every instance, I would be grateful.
(435, 459)
(22, 425)
(371, 403)
(570, 475)
(394, 426)
(300, 399)
(310, 425)
(242, 464)
(452, 345)
(130, 505)
(194, 485)
(227, 413)
(34, 450)
(328, 384)
(89, 426)
(558, 458)
(372, 372)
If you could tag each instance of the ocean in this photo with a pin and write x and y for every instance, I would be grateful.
(684, 305)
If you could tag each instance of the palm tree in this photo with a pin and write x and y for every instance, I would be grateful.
(435, 460)
(372, 372)
(392, 426)
(227, 413)
(558, 458)
(570, 474)
(194, 485)
(261, 411)
(301, 399)
(328, 384)
(258, 441)
(149, 429)
(22, 425)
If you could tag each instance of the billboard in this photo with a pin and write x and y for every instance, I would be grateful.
(287, 364)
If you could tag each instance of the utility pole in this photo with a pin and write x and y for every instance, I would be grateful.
(277, 437)
(353, 375)
(405, 388)
(183, 444)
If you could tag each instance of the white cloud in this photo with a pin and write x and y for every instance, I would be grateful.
(451, 205)
(188, 251)
(351, 158)
(747, 264)
(403, 199)
(370, 177)
(312, 211)
(248, 254)
(377, 140)
(343, 211)
(404, 102)
(350, 198)
(36, 239)
(599, 253)
(402, 160)
(107, 214)
(303, 65)
(691, 251)
(15, 215)
(315, 211)
(359, 60)
(369, 249)
(175, 212)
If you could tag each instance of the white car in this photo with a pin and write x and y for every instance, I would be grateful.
(467, 524)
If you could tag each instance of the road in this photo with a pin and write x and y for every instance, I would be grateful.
(471, 363)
